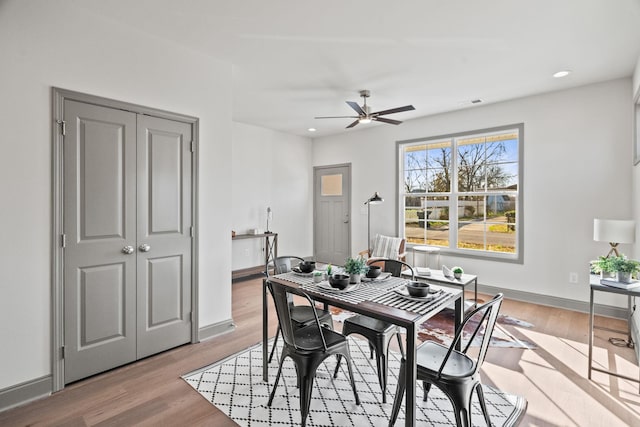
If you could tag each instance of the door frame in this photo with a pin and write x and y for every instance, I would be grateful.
(59, 96)
(316, 169)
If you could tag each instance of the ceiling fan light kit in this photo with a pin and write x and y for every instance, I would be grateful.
(366, 116)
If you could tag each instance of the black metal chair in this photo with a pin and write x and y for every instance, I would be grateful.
(301, 315)
(454, 372)
(307, 347)
(378, 332)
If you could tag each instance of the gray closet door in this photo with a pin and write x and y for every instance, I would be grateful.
(99, 222)
(164, 234)
(127, 225)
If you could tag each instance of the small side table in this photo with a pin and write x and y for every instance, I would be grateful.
(594, 282)
(438, 277)
(428, 250)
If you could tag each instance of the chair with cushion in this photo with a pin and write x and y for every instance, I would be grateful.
(386, 247)
(301, 315)
(378, 332)
(306, 346)
(456, 373)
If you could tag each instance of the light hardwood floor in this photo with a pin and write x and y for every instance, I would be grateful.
(552, 377)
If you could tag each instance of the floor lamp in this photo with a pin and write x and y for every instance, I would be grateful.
(373, 200)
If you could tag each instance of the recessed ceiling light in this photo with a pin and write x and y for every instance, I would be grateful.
(312, 129)
(562, 73)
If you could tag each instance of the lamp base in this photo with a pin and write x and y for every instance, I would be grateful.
(614, 250)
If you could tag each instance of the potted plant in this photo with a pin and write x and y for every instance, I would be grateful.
(624, 268)
(355, 267)
(457, 272)
(621, 266)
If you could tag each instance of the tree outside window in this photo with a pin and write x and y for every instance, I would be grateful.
(461, 192)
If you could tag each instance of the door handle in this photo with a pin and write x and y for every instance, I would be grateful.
(144, 247)
(128, 250)
(346, 221)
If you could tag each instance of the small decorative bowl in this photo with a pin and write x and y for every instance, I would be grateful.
(418, 289)
(374, 271)
(307, 266)
(339, 281)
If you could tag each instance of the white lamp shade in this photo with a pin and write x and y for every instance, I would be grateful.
(614, 230)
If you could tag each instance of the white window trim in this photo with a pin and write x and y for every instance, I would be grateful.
(518, 257)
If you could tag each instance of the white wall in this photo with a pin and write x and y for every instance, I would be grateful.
(272, 169)
(577, 167)
(45, 44)
(635, 195)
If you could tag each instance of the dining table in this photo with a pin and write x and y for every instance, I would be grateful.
(377, 298)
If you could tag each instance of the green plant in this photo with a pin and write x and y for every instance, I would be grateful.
(355, 265)
(457, 270)
(615, 263)
(625, 265)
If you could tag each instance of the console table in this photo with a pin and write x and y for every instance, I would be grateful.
(270, 252)
(594, 282)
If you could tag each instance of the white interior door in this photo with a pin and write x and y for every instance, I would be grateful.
(331, 215)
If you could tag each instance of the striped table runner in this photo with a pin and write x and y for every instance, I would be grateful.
(421, 307)
(366, 291)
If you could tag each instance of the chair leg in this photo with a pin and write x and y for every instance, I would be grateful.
(400, 344)
(353, 382)
(397, 401)
(483, 404)
(275, 384)
(426, 387)
(382, 350)
(335, 373)
(306, 388)
(461, 401)
(275, 341)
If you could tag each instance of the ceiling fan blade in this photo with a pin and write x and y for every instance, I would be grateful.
(383, 120)
(394, 110)
(353, 124)
(356, 107)
(337, 117)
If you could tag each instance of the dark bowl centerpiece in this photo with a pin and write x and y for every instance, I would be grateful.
(339, 281)
(307, 266)
(418, 289)
(374, 271)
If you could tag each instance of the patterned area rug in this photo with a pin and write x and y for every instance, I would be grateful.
(235, 387)
(440, 329)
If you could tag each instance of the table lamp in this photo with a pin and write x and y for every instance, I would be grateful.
(373, 200)
(614, 231)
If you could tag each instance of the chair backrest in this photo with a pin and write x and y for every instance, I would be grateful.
(281, 296)
(393, 266)
(282, 264)
(486, 316)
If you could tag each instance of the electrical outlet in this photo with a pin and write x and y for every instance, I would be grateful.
(573, 277)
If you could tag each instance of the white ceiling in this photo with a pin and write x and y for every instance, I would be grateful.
(296, 59)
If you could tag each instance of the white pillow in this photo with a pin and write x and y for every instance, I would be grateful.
(386, 247)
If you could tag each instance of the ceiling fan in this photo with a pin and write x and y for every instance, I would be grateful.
(366, 116)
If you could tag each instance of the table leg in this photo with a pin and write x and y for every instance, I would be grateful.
(459, 317)
(475, 293)
(265, 333)
(590, 332)
(410, 377)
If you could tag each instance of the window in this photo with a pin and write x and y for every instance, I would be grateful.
(461, 192)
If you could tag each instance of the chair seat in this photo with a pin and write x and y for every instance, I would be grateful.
(303, 314)
(359, 323)
(430, 355)
(308, 339)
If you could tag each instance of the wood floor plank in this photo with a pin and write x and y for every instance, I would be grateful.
(553, 377)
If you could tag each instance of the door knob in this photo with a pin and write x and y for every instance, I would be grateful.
(128, 250)
(144, 247)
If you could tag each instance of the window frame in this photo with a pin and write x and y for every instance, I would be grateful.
(455, 193)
